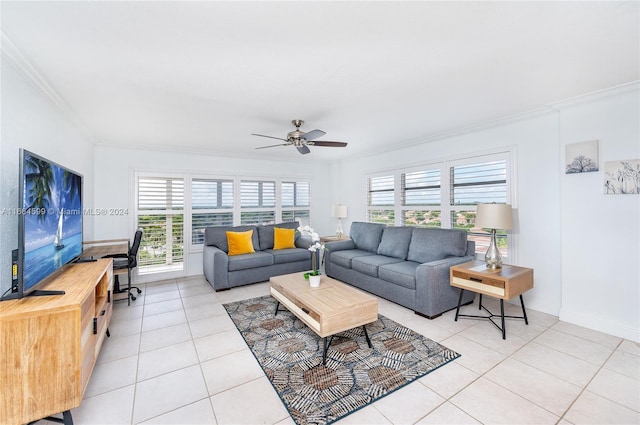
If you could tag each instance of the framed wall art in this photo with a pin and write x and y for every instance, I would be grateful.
(622, 177)
(581, 157)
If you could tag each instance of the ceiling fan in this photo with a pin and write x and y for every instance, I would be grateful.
(302, 140)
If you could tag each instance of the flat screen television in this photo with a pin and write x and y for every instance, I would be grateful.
(49, 222)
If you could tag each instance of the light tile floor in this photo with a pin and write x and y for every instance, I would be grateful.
(175, 357)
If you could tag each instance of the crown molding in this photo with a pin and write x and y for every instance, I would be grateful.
(596, 95)
(549, 108)
(12, 55)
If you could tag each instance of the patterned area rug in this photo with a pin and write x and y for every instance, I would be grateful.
(354, 375)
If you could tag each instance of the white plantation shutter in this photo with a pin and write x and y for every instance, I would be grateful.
(443, 194)
(478, 183)
(295, 201)
(257, 202)
(421, 198)
(171, 208)
(381, 202)
(211, 205)
(160, 214)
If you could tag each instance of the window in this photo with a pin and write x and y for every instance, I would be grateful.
(295, 201)
(473, 184)
(211, 205)
(443, 194)
(421, 198)
(160, 214)
(173, 208)
(381, 199)
(257, 202)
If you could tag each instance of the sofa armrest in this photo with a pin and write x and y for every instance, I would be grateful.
(434, 294)
(304, 241)
(340, 245)
(215, 263)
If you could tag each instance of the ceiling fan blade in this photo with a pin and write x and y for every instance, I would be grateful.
(303, 149)
(329, 144)
(313, 134)
(273, 146)
(270, 137)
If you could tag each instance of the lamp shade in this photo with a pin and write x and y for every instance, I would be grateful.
(494, 216)
(339, 211)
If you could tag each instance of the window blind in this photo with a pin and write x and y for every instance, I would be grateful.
(160, 214)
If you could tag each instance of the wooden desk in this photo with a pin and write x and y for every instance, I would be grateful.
(98, 249)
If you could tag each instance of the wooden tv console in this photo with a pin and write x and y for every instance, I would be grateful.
(50, 343)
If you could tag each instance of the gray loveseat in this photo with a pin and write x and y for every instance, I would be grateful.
(224, 271)
(406, 265)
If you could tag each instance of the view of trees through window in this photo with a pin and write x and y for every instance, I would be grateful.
(442, 195)
(160, 213)
(169, 214)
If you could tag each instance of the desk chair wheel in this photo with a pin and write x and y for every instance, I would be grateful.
(139, 291)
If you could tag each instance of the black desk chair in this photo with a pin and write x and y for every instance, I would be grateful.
(124, 263)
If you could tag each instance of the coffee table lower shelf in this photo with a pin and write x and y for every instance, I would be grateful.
(328, 310)
(327, 343)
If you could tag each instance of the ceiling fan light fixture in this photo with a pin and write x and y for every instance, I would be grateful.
(302, 140)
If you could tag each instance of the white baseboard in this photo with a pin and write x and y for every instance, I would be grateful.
(596, 323)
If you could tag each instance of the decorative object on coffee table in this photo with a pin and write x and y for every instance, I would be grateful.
(316, 248)
(354, 375)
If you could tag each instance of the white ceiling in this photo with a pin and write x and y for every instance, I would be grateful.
(202, 76)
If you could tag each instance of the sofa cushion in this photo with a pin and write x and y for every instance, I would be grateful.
(343, 258)
(250, 261)
(265, 233)
(281, 256)
(436, 244)
(402, 273)
(240, 242)
(369, 264)
(217, 236)
(395, 242)
(284, 238)
(366, 236)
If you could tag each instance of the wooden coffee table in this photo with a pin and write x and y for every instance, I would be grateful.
(329, 309)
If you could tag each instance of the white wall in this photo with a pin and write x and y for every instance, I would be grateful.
(583, 245)
(115, 184)
(32, 121)
(601, 233)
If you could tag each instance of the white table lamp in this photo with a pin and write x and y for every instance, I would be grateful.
(493, 216)
(339, 211)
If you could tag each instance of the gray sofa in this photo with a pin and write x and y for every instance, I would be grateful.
(224, 272)
(406, 265)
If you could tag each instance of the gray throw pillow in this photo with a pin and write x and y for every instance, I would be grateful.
(395, 242)
(436, 244)
(366, 236)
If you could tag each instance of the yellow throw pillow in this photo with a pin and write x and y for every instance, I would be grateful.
(283, 238)
(240, 242)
